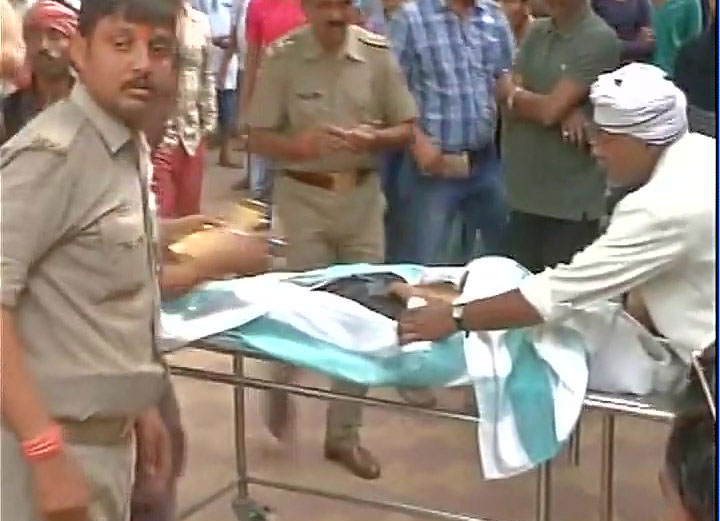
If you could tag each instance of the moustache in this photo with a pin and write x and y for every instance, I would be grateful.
(138, 83)
(337, 25)
(49, 55)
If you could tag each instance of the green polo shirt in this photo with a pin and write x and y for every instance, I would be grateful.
(545, 175)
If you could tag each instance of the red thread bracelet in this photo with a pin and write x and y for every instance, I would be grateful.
(44, 445)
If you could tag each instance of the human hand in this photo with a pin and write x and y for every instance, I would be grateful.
(647, 34)
(221, 41)
(154, 455)
(227, 252)
(401, 290)
(362, 138)
(318, 142)
(60, 489)
(428, 155)
(172, 230)
(574, 128)
(431, 322)
(504, 86)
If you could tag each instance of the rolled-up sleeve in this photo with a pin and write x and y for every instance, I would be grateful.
(637, 246)
(34, 200)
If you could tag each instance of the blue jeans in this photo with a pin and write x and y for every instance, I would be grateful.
(261, 181)
(390, 164)
(226, 101)
(426, 208)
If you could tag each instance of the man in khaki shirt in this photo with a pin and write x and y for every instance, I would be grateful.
(329, 97)
(79, 288)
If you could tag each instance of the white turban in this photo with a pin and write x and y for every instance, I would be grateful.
(639, 100)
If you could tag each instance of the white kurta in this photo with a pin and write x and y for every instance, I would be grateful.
(661, 240)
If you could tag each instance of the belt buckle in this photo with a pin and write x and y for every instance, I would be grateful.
(127, 429)
(343, 182)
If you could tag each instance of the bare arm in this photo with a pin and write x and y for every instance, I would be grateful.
(546, 109)
(571, 90)
(504, 311)
(397, 136)
(435, 321)
(641, 48)
(275, 145)
(178, 278)
(228, 52)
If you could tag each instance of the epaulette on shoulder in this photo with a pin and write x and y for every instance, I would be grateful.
(53, 130)
(282, 45)
(372, 39)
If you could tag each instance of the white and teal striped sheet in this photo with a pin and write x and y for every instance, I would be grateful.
(529, 383)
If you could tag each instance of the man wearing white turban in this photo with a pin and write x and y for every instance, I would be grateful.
(660, 246)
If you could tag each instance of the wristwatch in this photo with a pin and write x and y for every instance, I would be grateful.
(457, 315)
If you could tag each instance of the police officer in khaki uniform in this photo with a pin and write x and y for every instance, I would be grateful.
(79, 288)
(329, 97)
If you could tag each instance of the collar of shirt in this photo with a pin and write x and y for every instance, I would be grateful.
(351, 47)
(580, 17)
(113, 132)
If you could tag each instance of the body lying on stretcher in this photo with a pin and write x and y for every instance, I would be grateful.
(350, 311)
(340, 321)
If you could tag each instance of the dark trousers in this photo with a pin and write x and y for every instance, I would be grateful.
(538, 242)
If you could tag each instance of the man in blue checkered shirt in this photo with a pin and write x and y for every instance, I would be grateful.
(451, 52)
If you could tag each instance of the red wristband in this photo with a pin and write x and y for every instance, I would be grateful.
(44, 445)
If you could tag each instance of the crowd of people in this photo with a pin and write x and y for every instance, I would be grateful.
(417, 131)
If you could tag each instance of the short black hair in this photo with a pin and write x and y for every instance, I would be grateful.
(155, 12)
(690, 457)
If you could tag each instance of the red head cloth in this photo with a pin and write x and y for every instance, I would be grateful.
(49, 14)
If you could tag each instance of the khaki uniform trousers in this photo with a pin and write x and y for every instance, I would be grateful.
(323, 228)
(109, 471)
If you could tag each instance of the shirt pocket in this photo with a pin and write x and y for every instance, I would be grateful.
(308, 107)
(125, 245)
(361, 102)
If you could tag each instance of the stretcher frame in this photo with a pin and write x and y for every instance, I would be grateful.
(652, 408)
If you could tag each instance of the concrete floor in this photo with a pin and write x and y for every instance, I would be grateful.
(425, 461)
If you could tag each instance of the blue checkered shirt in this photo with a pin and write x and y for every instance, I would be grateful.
(451, 65)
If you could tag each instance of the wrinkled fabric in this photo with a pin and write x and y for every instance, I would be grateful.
(50, 15)
(640, 101)
(529, 383)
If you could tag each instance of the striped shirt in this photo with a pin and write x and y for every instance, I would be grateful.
(451, 64)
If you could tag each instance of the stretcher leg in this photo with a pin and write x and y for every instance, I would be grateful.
(543, 496)
(244, 507)
(607, 467)
(573, 449)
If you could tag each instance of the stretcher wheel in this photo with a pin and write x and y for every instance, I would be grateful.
(249, 510)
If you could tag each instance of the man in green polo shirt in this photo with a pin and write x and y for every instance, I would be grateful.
(555, 189)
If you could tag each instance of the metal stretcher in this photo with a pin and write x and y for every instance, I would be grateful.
(654, 408)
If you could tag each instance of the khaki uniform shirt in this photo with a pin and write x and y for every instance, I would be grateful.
(300, 87)
(78, 260)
